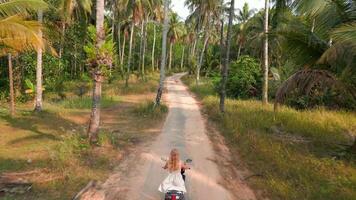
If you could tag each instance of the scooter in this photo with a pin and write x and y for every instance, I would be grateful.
(174, 194)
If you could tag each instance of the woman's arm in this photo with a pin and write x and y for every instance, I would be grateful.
(185, 166)
(165, 166)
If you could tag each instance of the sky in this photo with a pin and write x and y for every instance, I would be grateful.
(183, 12)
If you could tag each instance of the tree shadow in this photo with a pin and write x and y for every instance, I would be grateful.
(53, 124)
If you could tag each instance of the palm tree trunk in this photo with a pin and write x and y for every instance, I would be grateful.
(194, 47)
(202, 56)
(170, 56)
(122, 56)
(164, 53)
(224, 71)
(141, 48)
(62, 40)
(221, 44)
(153, 47)
(182, 61)
(144, 51)
(11, 80)
(265, 57)
(38, 100)
(97, 77)
(130, 54)
(239, 50)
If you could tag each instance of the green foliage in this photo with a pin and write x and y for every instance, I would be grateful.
(99, 57)
(150, 110)
(269, 142)
(244, 79)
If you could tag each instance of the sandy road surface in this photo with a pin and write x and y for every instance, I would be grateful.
(185, 130)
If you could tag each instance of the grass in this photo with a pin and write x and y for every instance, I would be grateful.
(53, 143)
(150, 110)
(295, 154)
(86, 102)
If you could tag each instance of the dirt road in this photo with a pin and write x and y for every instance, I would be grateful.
(185, 130)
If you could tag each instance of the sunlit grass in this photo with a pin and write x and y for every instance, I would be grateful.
(54, 141)
(296, 154)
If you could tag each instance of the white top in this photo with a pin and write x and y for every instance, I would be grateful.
(174, 181)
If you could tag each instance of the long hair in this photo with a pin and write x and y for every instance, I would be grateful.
(174, 161)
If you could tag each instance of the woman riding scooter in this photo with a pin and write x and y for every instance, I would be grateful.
(174, 182)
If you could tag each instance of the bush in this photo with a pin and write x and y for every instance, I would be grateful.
(244, 79)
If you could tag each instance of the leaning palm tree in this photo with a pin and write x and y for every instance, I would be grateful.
(224, 71)
(164, 52)
(204, 13)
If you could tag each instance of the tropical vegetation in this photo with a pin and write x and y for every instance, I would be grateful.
(297, 56)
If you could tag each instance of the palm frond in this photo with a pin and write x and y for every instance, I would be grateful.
(20, 34)
(309, 7)
(345, 33)
(14, 7)
(304, 81)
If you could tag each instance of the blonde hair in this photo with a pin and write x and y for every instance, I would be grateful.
(174, 161)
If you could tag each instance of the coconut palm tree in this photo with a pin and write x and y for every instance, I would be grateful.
(204, 13)
(324, 43)
(265, 55)
(156, 15)
(224, 71)
(243, 16)
(176, 29)
(18, 34)
(66, 9)
(164, 52)
(97, 75)
(39, 89)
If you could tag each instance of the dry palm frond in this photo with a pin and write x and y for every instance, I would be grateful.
(14, 7)
(17, 33)
(304, 81)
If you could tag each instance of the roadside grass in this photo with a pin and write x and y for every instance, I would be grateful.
(53, 148)
(292, 154)
(149, 110)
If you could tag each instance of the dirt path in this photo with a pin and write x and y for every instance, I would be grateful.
(184, 129)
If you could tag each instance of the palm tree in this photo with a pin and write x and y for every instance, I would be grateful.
(97, 76)
(265, 56)
(176, 29)
(224, 71)
(18, 34)
(164, 52)
(66, 9)
(184, 41)
(11, 80)
(310, 43)
(243, 16)
(204, 13)
(39, 89)
(156, 15)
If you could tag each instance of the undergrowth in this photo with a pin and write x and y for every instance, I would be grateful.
(292, 154)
